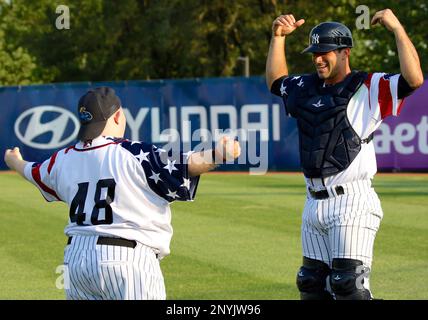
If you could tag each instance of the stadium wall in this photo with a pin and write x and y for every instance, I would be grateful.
(42, 118)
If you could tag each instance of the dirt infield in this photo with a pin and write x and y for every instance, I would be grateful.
(7, 172)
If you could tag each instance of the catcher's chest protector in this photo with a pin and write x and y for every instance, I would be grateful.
(328, 143)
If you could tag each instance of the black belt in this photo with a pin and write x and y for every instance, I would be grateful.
(323, 194)
(113, 242)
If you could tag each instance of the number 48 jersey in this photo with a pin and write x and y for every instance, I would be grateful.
(117, 188)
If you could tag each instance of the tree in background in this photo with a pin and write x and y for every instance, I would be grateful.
(16, 65)
(142, 39)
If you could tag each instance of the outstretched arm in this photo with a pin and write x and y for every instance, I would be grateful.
(201, 162)
(276, 63)
(409, 60)
(14, 161)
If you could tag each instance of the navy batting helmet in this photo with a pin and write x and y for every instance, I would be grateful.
(328, 36)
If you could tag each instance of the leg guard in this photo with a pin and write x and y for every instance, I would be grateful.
(311, 280)
(347, 279)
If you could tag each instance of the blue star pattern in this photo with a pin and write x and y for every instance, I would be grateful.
(287, 85)
(166, 175)
(386, 76)
(283, 89)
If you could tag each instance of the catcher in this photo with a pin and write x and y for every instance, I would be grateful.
(337, 111)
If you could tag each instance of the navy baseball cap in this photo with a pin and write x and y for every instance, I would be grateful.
(329, 36)
(94, 109)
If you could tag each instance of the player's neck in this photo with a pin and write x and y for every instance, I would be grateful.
(339, 77)
(114, 131)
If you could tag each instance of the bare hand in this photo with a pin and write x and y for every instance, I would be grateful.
(11, 155)
(285, 24)
(388, 19)
(228, 148)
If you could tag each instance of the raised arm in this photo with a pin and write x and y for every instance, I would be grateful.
(409, 60)
(201, 162)
(276, 63)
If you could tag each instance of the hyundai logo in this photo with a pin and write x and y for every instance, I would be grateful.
(29, 127)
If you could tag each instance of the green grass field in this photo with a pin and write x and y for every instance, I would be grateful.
(240, 239)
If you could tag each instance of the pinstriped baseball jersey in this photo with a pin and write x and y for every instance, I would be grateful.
(120, 189)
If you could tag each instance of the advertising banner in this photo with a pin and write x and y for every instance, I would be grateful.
(41, 119)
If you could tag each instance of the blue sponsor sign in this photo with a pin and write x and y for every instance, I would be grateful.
(41, 119)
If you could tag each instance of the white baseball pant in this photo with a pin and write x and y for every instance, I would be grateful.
(342, 226)
(111, 272)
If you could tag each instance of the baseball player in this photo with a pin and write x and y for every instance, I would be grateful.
(337, 111)
(119, 194)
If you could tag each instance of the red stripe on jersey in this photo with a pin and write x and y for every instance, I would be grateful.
(51, 163)
(368, 80)
(384, 98)
(92, 148)
(400, 106)
(68, 149)
(35, 172)
(367, 83)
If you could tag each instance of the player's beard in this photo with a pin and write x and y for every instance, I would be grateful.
(324, 70)
(329, 74)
